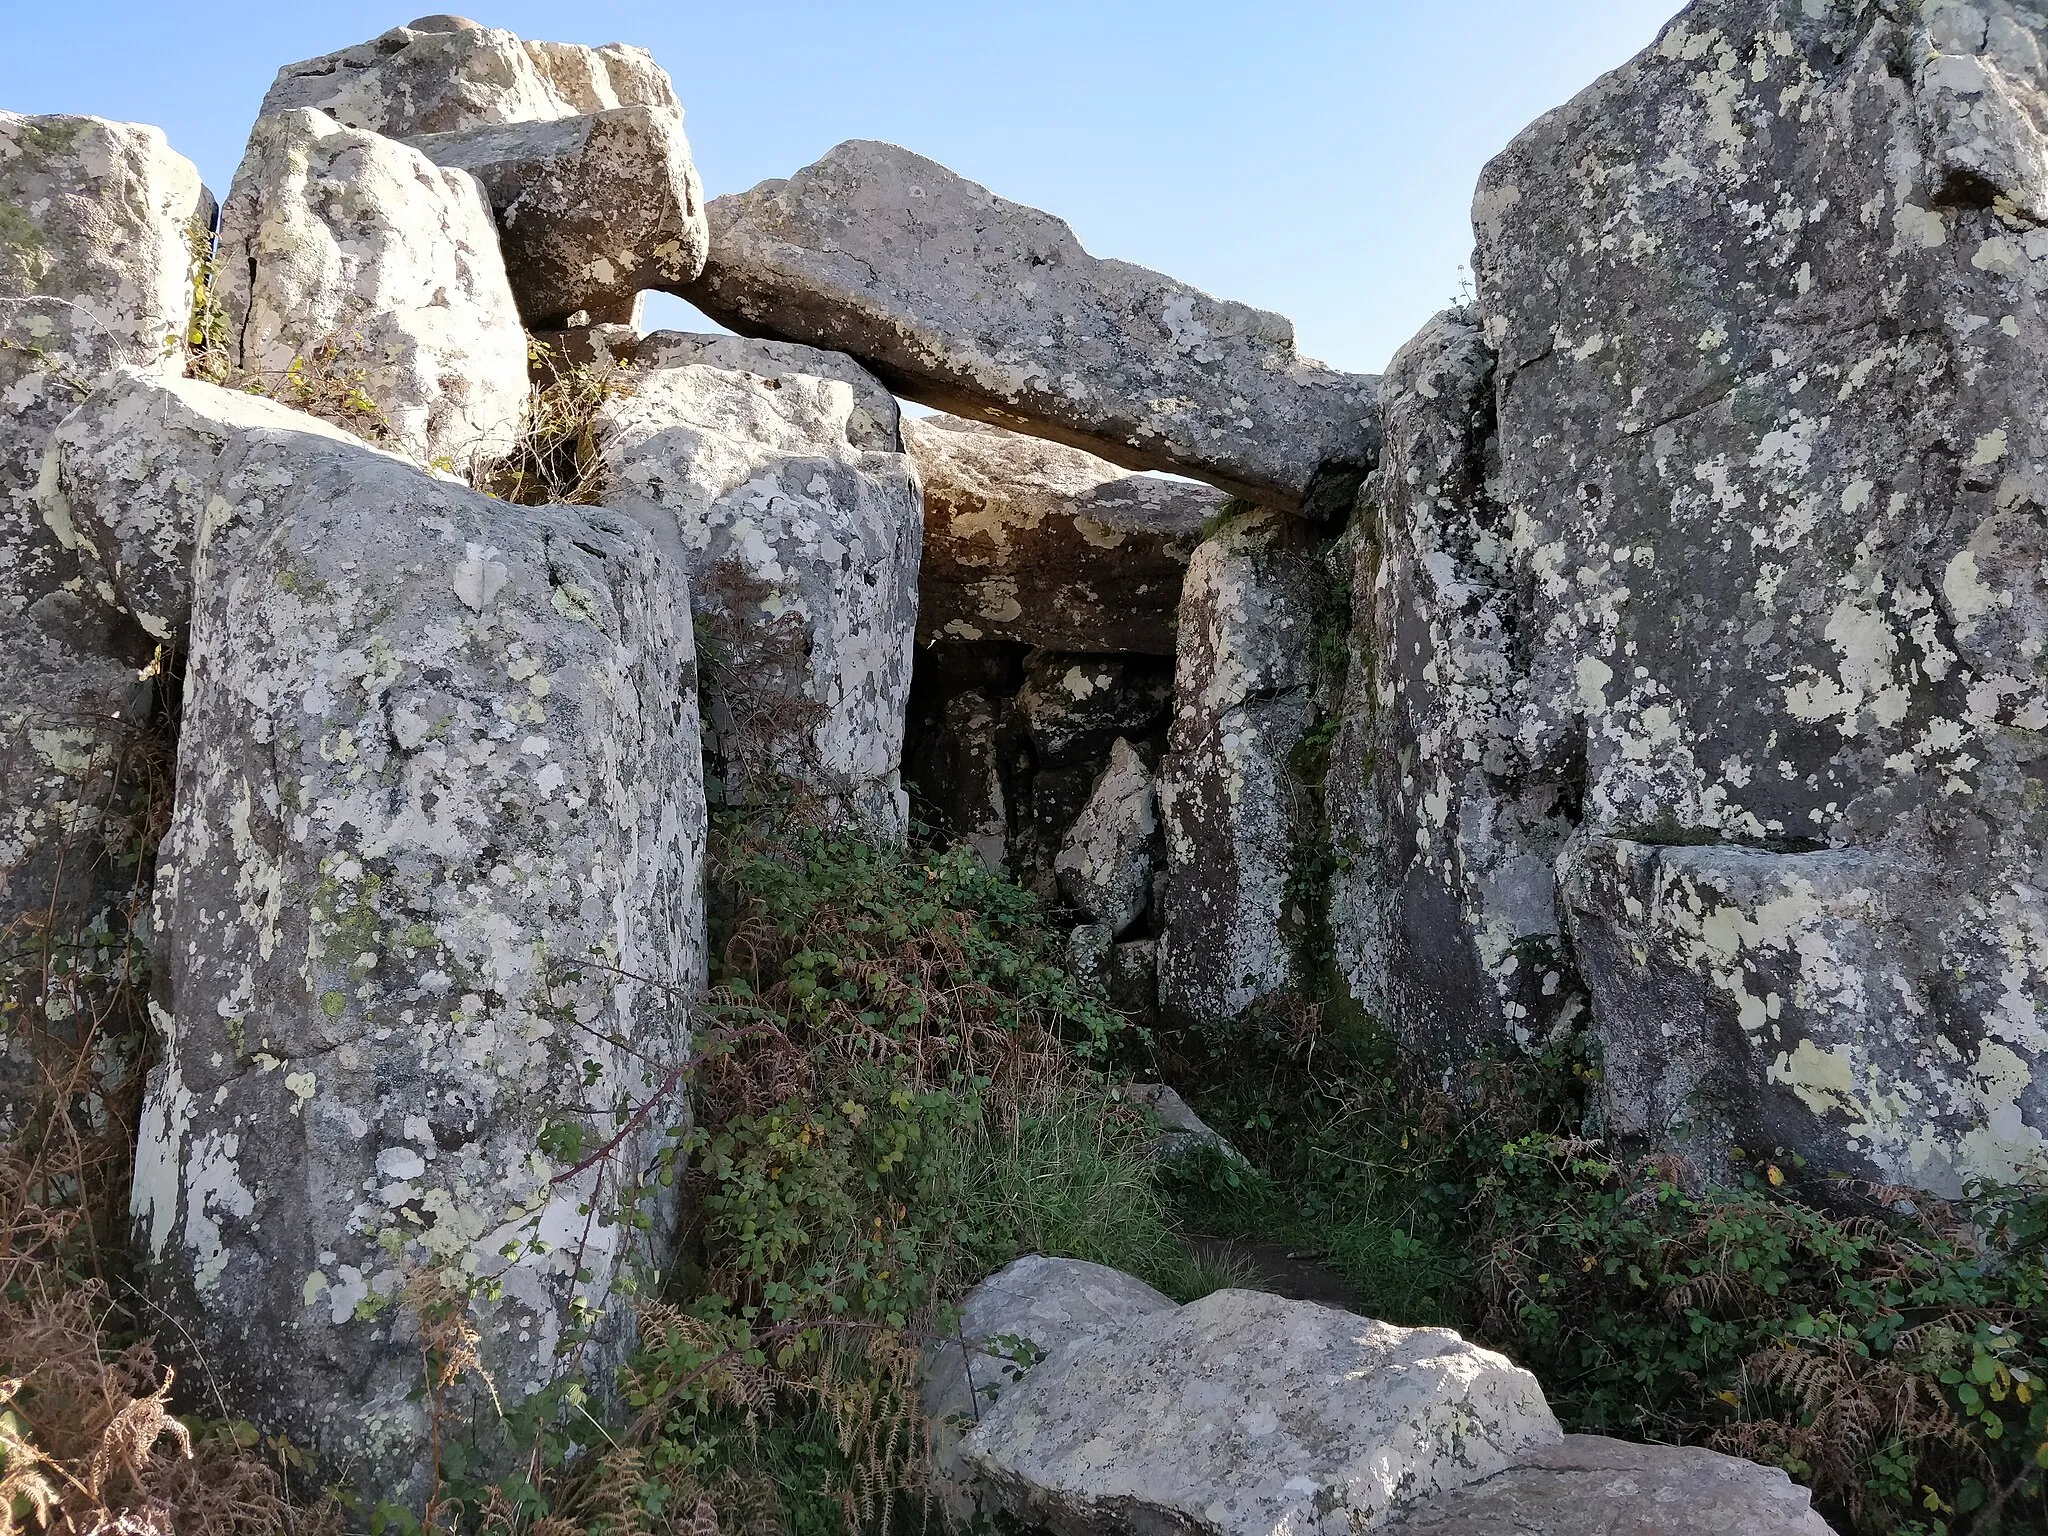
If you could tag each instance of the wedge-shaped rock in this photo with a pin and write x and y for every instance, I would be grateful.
(803, 553)
(1105, 867)
(431, 918)
(967, 302)
(361, 280)
(444, 73)
(591, 210)
(1586, 1484)
(97, 229)
(876, 423)
(1247, 1415)
(1037, 542)
(1234, 811)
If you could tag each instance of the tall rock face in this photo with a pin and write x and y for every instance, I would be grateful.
(1768, 310)
(980, 306)
(803, 555)
(430, 919)
(362, 280)
(1031, 541)
(1443, 828)
(98, 223)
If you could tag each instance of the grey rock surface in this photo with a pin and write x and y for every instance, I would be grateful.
(591, 210)
(1181, 1130)
(967, 302)
(1033, 541)
(443, 73)
(1767, 304)
(803, 553)
(96, 271)
(1247, 1415)
(1105, 865)
(353, 268)
(975, 808)
(1589, 1486)
(1244, 696)
(1073, 708)
(430, 918)
(876, 423)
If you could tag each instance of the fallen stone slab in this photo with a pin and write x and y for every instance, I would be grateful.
(803, 553)
(1589, 1486)
(591, 210)
(972, 304)
(364, 283)
(876, 423)
(98, 222)
(1247, 1415)
(430, 921)
(1105, 865)
(444, 73)
(1036, 542)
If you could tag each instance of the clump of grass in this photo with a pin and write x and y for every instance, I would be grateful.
(556, 460)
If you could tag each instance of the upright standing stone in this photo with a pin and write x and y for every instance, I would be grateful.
(803, 554)
(361, 281)
(431, 920)
(1040, 543)
(964, 301)
(98, 223)
(1232, 806)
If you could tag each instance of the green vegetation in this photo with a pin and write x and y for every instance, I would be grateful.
(1890, 1352)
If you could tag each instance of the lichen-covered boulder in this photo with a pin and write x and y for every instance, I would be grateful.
(967, 302)
(1232, 805)
(97, 228)
(1033, 541)
(803, 553)
(1105, 866)
(591, 210)
(444, 73)
(430, 922)
(1768, 308)
(1248, 1415)
(876, 423)
(363, 282)
(1444, 910)
(1585, 1484)
(1073, 708)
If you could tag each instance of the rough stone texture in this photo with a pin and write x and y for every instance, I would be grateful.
(1024, 1311)
(1105, 865)
(1037, 542)
(361, 261)
(1768, 304)
(967, 302)
(803, 553)
(439, 798)
(1247, 1415)
(1588, 1486)
(96, 223)
(876, 423)
(1444, 909)
(591, 210)
(443, 74)
(1233, 810)
(1181, 1130)
(1075, 707)
(967, 768)
(130, 474)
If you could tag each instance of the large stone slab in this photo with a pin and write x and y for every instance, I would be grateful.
(363, 282)
(986, 308)
(803, 553)
(1248, 1415)
(876, 423)
(1105, 865)
(97, 224)
(444, 73)
(430, 919)
(1233, 808)
(1444, 907)
(591, 210)
(1035, 542)
(1768, 308)
(1585, 1484)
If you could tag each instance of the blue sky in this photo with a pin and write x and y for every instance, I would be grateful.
(1311, 156)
